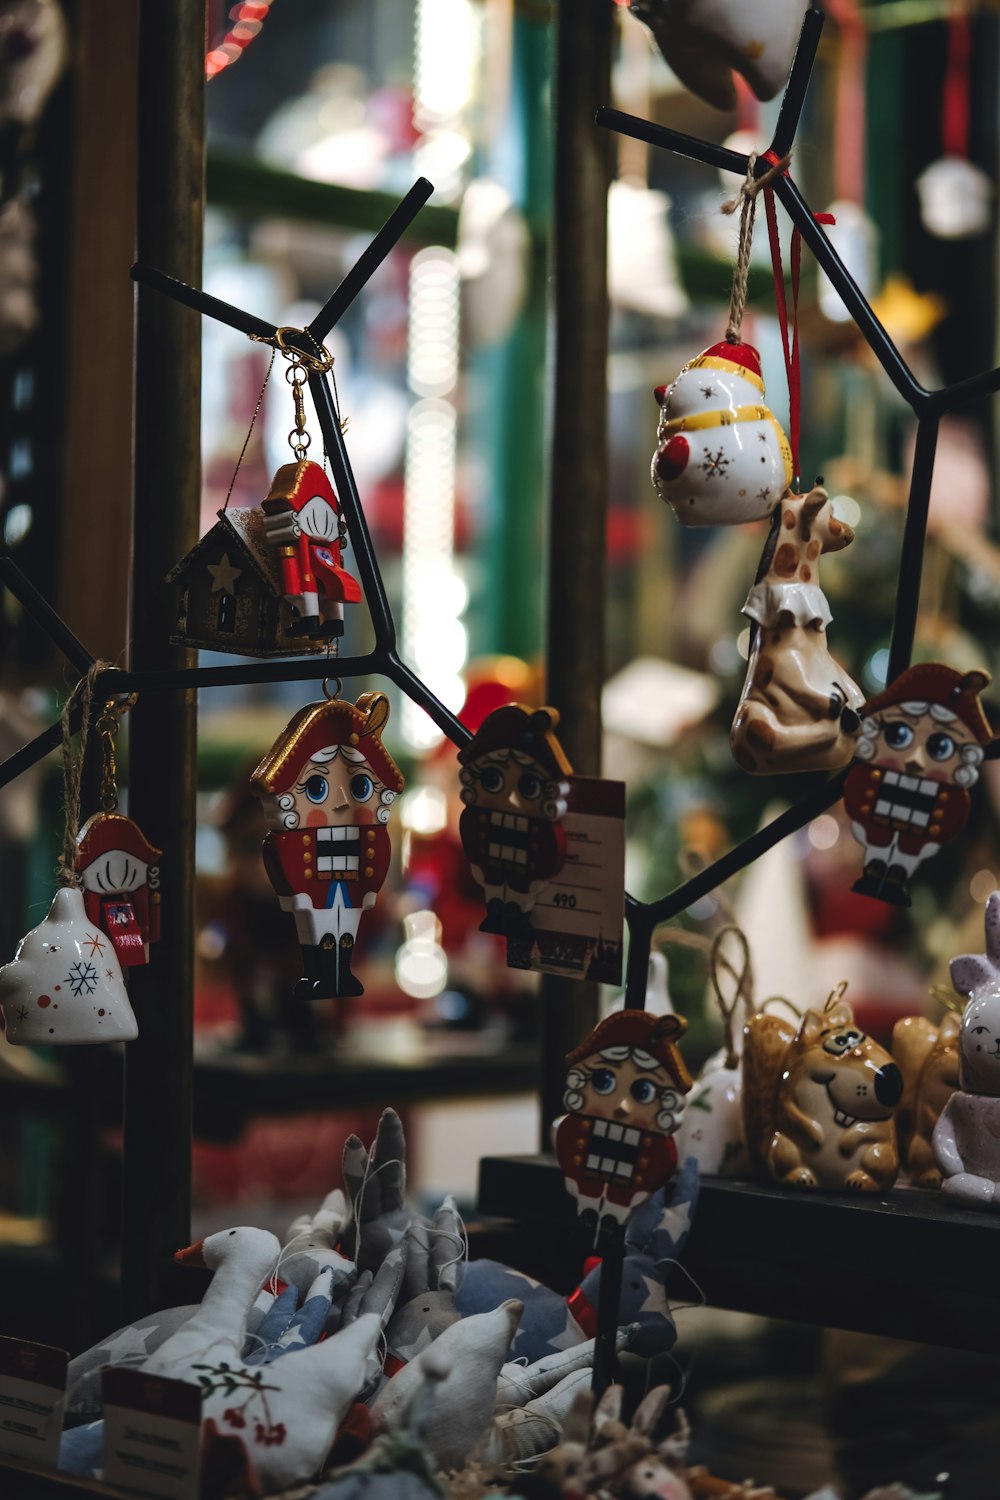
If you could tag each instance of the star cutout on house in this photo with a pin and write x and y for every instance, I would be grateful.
(715, 464)
(94, 943)
(224, 575)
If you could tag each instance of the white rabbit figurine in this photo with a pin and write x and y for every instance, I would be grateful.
(967, 1136)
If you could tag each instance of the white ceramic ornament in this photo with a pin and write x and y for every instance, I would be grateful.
(721, 456)
(703, 40)
(64, 987)
(854, 236)
(956, 198)
(966, 1138)
(711, 1129)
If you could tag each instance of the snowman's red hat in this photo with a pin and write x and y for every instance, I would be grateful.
(742, 359)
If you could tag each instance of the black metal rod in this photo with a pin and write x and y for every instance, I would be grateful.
(368, 262)
(44, 616)
(911, 557)
(672, 140)
(745, 853)
(350, 504)
(612, 1246)
(797, 86)
(640, 937)
(30, 754)
(210, 307)
(412, 686)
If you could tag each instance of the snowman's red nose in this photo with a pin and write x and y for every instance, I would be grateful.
(671, 459)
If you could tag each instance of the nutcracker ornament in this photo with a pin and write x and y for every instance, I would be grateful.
(721, 457)
(799, 709)
(625, 1096)
(327, 786)
(921, 746)
(515, 789)
(304, 526)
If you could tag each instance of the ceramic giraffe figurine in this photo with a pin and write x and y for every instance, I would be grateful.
(799, 708)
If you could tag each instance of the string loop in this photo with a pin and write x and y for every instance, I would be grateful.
(746, 202)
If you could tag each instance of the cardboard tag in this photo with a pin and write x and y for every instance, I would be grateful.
(32, 1397)
(578, 919)
(152, 1433)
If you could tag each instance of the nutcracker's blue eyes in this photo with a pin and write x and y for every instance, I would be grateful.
(940, 746)
(529, 786)
(491, 778)
(316, 788)
(362, 787)
(642, 1090)
(897, 735)
(602, 1081)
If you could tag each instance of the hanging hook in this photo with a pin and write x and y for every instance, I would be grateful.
(332, 697)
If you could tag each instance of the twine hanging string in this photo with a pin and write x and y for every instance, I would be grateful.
(743, 993)
(746, 202)
(73, 761)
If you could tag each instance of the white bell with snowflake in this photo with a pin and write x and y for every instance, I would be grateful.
(64, 986)
(721, 455)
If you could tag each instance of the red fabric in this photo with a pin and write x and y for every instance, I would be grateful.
(583, 1311)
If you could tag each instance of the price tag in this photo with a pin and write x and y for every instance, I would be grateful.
(578, 919)
(32, 1397)
(152, 1433)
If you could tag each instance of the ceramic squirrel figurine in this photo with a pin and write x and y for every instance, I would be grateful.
(966, 1138)
(818, 1101)
(927, 1055)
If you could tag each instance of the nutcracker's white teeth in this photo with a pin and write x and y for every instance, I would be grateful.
(509, 838)
(619, 1146)
(840, 1118)
(509, 820)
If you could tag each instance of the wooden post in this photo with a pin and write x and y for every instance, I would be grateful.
(579, 466)
(157, 1156)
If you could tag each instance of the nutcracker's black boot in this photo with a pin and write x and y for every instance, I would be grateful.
(493, 921)
(347, 983)
(296, 1013)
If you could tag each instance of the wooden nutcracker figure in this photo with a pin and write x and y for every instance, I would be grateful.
(327, 786)
(515, 787)
(303, 524)
(625, 1095)
(921, 747)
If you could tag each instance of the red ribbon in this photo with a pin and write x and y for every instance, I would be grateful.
(583, 1311)
(955, 102)
(789, 345)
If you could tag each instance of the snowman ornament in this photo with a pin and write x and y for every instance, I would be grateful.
(721, 456)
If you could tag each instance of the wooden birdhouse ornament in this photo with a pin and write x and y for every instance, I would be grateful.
(327, 785)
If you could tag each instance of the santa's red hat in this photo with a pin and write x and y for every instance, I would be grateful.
(657, 1035)
(106, 832)
(932, 682)
(336, 721)
(514, 727)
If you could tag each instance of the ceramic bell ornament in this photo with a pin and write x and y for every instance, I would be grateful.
(927, 1054)
(711, 1129)
(515, 788)
(956, 196)
(624, 1095)
(818, 1101)
(921, 746)
(327, 786)
(64, 986)
(799, 710)
(966, 1138)
(706, 41)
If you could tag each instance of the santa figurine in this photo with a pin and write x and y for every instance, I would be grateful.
(121, 884)
(327, 786)
(625, 1096)
(721, 456)
(303, 524)
(921, 746)
(515, 789)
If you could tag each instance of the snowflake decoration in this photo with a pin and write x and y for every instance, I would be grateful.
(708, 391)
(715, 463)
(764, 494)
(94, 943)
(22, 1012)
(82, 979)
(762, 436)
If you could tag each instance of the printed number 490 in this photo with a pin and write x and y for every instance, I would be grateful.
(563, 898)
